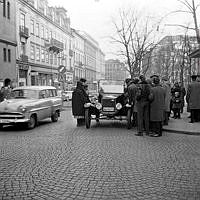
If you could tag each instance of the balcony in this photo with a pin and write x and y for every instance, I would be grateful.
(23, 32)
(24, 58)
(55, 45)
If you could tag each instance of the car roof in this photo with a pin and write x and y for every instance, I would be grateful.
(35, 87)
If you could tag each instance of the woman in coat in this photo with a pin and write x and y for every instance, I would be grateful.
(157, 108)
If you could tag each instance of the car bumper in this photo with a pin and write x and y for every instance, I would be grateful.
(12, 121)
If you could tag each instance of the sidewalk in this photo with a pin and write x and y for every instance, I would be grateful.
(182, 125)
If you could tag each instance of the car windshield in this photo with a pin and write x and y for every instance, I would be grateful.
(111, 86)
(28, 94)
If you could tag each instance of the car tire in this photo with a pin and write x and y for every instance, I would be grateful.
(32, 123)
(129, 124)
(87, 119)
(54, 117)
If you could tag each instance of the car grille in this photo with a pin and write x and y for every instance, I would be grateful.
(11, 115)
(108, 102)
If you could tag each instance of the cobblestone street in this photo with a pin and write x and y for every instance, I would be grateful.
(61, 161)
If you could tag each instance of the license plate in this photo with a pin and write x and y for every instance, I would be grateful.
(108, 108)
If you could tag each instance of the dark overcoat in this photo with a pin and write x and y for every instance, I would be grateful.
(193, 95)
(157, 106)
(79, 98)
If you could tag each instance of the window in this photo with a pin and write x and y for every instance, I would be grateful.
(42, 55)
(22, 19)
(4, 8)
(32, 27)
(32, 50)
(9, 55)
(4, 54)
(37, 29)
(8, 10)
(55, 59)
(23, 48)
(38, 54)
(47, 34)
(42, 32)
(47, 57)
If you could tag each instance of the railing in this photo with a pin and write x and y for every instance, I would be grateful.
(24, 31)
(55, 45)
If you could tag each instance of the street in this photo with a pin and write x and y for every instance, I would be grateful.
(62, 161)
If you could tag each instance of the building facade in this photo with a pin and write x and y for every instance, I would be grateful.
(115, 70)
(79, 56)
(44, 41)
(8, 42)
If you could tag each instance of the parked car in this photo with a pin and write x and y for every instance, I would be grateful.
(29, 105)
(111, 103)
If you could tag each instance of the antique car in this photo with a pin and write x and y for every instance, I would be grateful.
(111, 103)
(29, 105)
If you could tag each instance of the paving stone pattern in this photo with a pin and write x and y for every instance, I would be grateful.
(58, 161)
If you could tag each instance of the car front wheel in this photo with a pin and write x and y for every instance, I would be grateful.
(87, 118)
(54, 117)
(32, 123)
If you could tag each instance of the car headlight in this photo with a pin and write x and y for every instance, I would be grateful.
(98, 106)
(22, 109)
(118, 106)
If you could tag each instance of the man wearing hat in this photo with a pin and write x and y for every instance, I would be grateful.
(193, 98)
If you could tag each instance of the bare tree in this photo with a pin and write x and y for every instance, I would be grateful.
(191, 8)
(135, 37)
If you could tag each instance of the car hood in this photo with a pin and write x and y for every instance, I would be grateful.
(111, 96)
(12, 105)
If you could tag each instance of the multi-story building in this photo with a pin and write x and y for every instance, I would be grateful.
(115, 70)
(171, 58)
(7, 42)
(79, 56)
(100, 65)
(44, 53)
(91, 47)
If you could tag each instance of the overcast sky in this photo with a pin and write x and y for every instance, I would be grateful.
(94, 16)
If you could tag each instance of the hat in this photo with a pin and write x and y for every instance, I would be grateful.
(194, 75)
(83, 80)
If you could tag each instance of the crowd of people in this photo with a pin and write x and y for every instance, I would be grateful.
(153, 102)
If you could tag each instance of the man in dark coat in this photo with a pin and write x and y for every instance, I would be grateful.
(79, 98)
(193, 99)
(157, 108)
(142, 105)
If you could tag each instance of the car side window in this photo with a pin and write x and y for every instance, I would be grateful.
(51, 94)
(42, 94)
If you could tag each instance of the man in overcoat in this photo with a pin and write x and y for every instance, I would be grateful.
(79, 98)
(157, 108)
(193, 99)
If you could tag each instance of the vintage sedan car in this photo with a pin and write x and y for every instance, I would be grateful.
(111, 103)
(29, 105)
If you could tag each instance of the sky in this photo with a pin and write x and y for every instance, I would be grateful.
(95, 16)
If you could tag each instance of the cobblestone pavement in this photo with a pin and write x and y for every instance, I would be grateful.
(58, 161)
